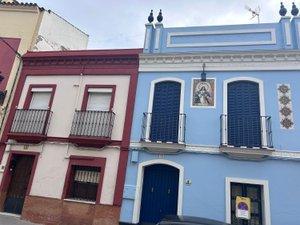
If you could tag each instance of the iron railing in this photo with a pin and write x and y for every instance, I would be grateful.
(169, 129)
(247, 127)
(93, 123)
(31, 121)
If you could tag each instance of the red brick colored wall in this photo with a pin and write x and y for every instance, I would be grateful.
(51, 211)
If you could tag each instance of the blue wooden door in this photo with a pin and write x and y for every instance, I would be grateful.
(160, 193)
(165, 112)
(243, 108)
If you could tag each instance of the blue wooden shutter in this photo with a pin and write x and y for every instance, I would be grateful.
(243, 108)
(165, 112)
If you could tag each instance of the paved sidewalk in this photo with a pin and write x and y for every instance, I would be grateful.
(13, 220)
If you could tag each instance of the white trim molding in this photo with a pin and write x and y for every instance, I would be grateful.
(261, 103)
(271, 31)
(278, 154)
(221, 61)
(266, 197)
(139, 186)
(150, 104)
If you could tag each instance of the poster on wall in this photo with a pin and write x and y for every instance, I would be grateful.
(243, 208)
(203, 93)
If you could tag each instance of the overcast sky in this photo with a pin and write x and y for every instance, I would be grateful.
(121, 23)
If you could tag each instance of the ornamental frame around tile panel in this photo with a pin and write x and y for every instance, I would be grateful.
(139, 186)
(266, 196)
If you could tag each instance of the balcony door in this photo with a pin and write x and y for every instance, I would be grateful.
(243, 107)
(165, 112)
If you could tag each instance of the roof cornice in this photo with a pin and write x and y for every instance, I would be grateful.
(221, 61)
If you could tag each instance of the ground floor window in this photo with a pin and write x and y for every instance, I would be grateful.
(250, 192)
(84, 178)
(84, 184)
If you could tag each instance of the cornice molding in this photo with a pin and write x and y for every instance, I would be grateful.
(82, 61)
(221, 61)
(215, 150)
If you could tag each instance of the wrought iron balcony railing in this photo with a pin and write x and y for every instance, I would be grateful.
(165, 129)
(93, 124)
(250, 132)
(31, 121)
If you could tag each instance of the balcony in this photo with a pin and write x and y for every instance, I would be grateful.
(92, 128)
(163, 133)
(30, 125)
(246, 136)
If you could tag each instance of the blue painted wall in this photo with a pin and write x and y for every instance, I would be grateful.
(203, 124)
(206, 195)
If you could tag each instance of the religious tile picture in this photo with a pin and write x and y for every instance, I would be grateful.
(203, 93)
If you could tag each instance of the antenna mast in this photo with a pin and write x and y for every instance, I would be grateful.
(255, 13)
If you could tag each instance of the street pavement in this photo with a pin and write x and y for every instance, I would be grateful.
(13, 220)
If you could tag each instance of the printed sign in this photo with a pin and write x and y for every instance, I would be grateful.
(203, 93)
(243, 207)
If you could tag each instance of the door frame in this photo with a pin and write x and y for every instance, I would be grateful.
(265, 198)
(7, 177)
(150, 103)
(261, 105)
(139, 186)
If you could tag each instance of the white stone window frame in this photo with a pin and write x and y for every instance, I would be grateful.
(265, 199)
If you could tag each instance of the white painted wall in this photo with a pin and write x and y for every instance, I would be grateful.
(69, 94)
(49, 177)
(55, 33)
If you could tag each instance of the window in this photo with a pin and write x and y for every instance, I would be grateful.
(99, 101)
(39, 97)
(84, 184)
(84, 178)
(98, 97)
(40, 100)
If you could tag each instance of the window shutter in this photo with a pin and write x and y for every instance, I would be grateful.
(99, 101)
(40, 100)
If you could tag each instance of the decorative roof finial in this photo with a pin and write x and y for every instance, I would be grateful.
(282, 10)
(295, 10)
(150, 17)
(160, 17)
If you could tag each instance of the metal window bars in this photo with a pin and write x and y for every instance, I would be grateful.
(263, 123)
(163, 128)
(93, 123)
(31, 121)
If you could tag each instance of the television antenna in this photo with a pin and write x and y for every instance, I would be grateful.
(254, 12)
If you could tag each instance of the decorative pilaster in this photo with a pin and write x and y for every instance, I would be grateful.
(287, 33)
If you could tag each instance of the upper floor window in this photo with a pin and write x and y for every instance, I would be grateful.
(165, 121)
(39, 97)
(244, 123)
(98, 98)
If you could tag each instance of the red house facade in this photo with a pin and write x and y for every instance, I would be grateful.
(65, 144)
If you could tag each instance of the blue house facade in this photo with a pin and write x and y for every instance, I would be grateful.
(216, 123)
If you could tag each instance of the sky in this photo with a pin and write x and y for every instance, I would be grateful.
(121, 23)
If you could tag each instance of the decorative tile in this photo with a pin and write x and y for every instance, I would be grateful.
(285, 106)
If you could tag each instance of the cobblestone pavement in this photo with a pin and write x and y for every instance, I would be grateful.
(12, 220)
